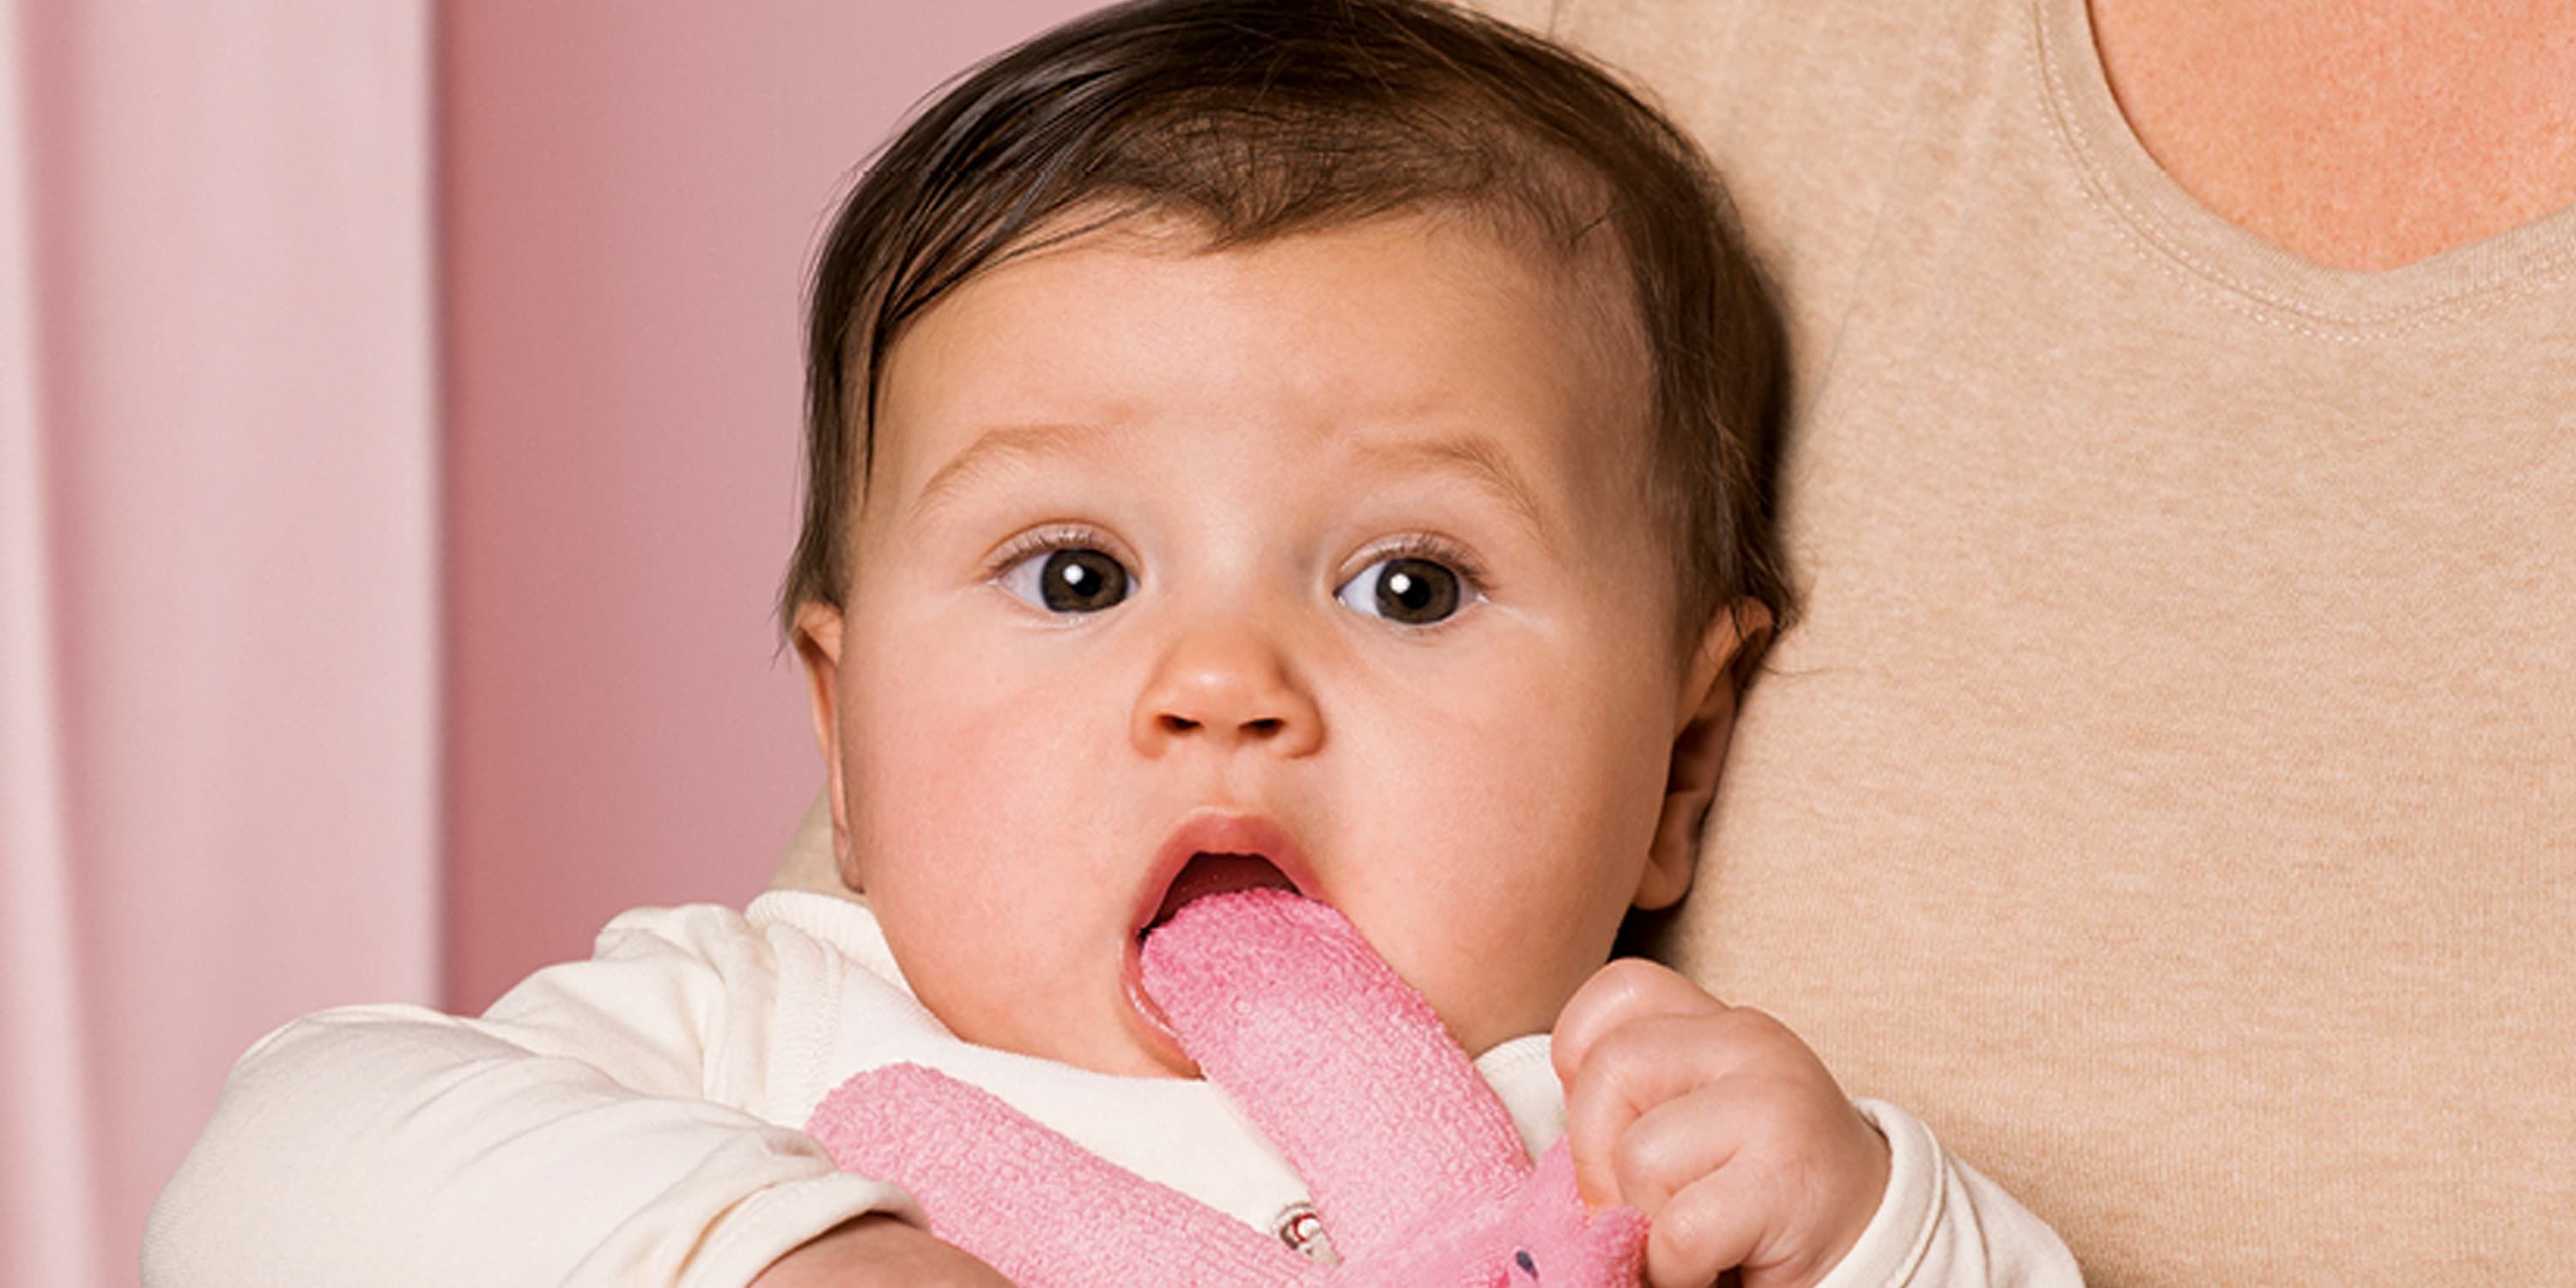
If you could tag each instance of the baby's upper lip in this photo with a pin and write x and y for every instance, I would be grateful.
(1219, 831)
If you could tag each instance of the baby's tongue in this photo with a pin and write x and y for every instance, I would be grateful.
(1209, 874)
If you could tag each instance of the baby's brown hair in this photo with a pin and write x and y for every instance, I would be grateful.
(1259, 119)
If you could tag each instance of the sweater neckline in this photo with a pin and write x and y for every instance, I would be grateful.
(2120, 174)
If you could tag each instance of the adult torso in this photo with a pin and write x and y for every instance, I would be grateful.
(2171, 792)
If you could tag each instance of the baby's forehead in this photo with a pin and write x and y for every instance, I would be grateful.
(1577, 285)
(1450, 298)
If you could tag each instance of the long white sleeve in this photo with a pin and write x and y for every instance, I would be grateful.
(1943, 1225)
(609, 1122)
(630, 1120)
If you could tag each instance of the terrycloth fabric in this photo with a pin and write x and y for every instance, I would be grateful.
(1416, 1171)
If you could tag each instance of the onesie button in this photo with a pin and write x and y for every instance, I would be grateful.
(1303, 1231)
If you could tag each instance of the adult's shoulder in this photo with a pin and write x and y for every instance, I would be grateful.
(1716, 64)
(1816, 115)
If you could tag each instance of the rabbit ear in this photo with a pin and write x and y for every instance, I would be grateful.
(1044, 1211)
(1340, 1064)
(1557, 1242)
(1551, 1185)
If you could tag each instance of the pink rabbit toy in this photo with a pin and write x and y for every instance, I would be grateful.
(1415, 1169)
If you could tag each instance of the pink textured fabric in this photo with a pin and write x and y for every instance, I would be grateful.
(1414, 1166)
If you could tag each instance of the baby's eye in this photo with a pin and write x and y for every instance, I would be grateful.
(1407, 589)
(1067, 579)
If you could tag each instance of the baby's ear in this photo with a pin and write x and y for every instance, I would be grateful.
(818, 645)
(1705, 721)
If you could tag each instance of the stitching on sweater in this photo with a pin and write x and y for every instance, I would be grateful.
(2144, 235)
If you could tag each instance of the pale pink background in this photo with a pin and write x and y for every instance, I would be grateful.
(398, 428)
(629, 198)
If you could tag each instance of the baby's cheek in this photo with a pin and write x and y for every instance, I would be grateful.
(1486, 1006)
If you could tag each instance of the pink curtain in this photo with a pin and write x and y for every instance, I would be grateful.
(217, 628)
(47, 1224)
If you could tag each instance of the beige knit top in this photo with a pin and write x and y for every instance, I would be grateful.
(2171, 793)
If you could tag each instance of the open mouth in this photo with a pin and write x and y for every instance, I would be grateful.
(1210, 853)
(1215, 872)
(1213, 852)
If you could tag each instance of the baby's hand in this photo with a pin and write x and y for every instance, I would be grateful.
(1718, 1124)
(878, 1250)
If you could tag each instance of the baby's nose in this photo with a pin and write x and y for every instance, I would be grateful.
(1227, 684)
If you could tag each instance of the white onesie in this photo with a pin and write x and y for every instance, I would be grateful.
(632, 1119)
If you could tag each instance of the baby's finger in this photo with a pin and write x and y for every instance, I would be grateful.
(1754, 1173)
(1674, 1144)
(1627, 989)
(1712, 1226)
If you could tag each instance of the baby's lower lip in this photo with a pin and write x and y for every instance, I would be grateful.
(1152, 1029)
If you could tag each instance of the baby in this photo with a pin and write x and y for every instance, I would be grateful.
(1314, 444)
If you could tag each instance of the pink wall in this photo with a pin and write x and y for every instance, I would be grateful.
(629, 194)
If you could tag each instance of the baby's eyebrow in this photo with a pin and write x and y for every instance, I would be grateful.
(1473, 458)
(1477, 460)
(995, 448)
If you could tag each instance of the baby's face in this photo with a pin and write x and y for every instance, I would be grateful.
(1329, 553)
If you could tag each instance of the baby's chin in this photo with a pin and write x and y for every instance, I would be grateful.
(1120, 1060)
(1141, 1063)
(1129, 1045)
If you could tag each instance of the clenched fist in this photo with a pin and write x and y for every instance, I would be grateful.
(1718, 1124)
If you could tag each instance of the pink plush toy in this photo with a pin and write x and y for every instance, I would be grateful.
(1415, 1169)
